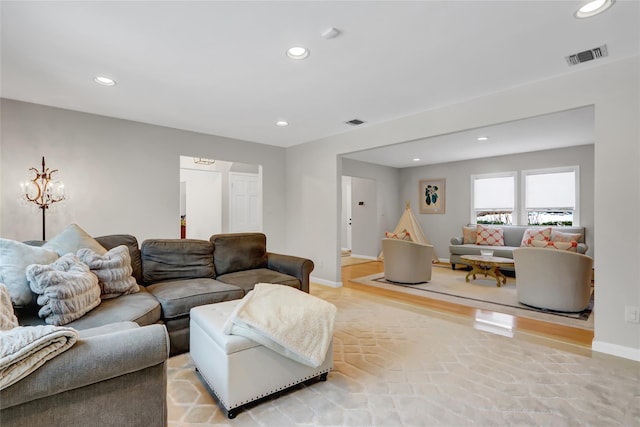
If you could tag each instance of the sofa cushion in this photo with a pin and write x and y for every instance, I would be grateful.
(15, 257)
(178, 297)
(542, 234)
(469, 234)
(239, 251)
(113, 240)
(247, 279)
(498, 251)
(71, 239)
(113, 270)
(141, 308)
(176, 259)
(490, 236)
(66, 289)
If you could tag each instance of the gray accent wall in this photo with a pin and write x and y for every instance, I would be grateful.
(121, 176)
(440, 228)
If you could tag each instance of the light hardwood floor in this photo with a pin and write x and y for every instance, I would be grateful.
(535, 330)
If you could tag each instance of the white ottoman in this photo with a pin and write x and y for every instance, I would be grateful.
(238, 370)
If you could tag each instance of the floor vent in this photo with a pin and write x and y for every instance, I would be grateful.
(587, 55)
(354, 122)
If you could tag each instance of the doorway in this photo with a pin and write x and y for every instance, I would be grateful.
(360, 217)
(218, 196)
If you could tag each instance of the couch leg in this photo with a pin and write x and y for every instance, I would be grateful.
(323, 377)
(453, 266)
(232, 413)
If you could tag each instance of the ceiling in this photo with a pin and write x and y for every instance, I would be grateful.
(558, 130)
(220, 67)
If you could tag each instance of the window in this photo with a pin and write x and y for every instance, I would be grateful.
(551, 196)
(493, 198)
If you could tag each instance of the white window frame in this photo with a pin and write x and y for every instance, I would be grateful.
(524, 219)
(514, 174)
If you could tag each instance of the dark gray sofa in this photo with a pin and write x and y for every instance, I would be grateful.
(116, 374)
(176, 275)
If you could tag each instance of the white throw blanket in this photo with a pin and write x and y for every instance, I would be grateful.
(286, 320)
(25, 348)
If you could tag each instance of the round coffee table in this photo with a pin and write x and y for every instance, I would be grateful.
(487, 265)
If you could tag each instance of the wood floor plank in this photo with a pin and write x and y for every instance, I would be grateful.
(566, 334)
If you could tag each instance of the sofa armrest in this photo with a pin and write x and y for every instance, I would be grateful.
(457, 240)
(92, 360)
(298, 267)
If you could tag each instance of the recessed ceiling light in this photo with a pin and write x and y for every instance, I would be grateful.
(298, 52)
(282, 123)
(104, 81)
(482, 138)
(416, 159)
(593, 8)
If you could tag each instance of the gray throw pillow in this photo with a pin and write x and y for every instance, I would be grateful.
(113, 270)
(66, 289)
(71, 239)
(15, 257)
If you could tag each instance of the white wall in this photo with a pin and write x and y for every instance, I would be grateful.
(203, 197)
(613, 88)
(439, 229)
(121, 176)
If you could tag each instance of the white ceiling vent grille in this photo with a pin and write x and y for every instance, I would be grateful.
(587, 55)
(355, 122)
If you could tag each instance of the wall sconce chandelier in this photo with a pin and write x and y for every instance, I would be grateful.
(43, 190)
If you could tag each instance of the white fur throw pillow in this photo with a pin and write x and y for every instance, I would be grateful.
(66, 289)
(8, 319)
(113, 270)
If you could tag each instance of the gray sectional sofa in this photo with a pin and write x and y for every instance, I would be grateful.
(512, 239)
(116, 374)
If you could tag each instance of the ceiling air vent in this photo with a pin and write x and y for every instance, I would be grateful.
(354, 122)
(587, 55)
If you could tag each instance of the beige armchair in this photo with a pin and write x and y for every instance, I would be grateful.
(407, 262)
(553, 279)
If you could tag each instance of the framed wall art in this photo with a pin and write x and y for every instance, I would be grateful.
(432, 196)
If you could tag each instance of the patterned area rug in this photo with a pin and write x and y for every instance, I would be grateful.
(449, 285)
(397, 367)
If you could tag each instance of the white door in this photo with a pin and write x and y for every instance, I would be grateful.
(346, 213)
(365, 240)
(245, 202)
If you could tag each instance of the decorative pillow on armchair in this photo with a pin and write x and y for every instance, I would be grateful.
(403, 235)
(66, 289)
(563, 246)
(530, 234)
(490, 236)
(113, 270)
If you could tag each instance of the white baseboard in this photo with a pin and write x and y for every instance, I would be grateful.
(374, 258)
(616, 350)
(324, 282)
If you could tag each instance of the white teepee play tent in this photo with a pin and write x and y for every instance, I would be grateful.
(409, 222)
